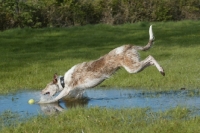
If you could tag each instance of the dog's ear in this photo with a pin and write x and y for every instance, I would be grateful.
(55, 76)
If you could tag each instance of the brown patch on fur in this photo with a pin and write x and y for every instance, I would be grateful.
(131, 59)
(127, 47)
(96, 65)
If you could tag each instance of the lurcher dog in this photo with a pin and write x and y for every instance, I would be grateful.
(89, 74)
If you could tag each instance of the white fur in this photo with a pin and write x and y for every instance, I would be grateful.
(151, 37)
(89, 82)
(119, 50)
(68, 74)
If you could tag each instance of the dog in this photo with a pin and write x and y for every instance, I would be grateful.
(90, 74)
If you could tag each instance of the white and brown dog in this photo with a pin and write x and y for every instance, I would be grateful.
(89, 74)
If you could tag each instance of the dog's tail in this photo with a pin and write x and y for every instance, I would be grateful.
(150, 43)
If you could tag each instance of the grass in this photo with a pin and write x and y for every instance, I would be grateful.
(30, 57)
(101, 120)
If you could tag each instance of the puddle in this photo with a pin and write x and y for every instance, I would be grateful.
(112, 98)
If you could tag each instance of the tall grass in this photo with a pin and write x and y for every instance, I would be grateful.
(30, 57)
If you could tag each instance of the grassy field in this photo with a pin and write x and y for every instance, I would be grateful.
(30, 57)
(101, 120)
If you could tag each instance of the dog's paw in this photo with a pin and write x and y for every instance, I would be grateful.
(163, 73)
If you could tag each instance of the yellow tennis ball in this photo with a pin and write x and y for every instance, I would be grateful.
(31, 101)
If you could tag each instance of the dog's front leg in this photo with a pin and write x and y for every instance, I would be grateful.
(62, 94)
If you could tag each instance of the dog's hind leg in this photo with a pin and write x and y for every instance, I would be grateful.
(135, 67)
(151, 61)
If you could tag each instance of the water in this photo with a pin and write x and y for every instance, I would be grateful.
(112, 98)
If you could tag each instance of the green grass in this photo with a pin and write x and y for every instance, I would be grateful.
(30, 57)
(101, 120)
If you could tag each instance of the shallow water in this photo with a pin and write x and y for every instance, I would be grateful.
(112, 98)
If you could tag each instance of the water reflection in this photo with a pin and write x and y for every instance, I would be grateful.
(60, 106)
(52, 108)
(71, 103)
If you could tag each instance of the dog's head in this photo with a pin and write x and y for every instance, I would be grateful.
(53, 87)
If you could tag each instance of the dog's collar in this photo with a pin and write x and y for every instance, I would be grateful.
(62, 82)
